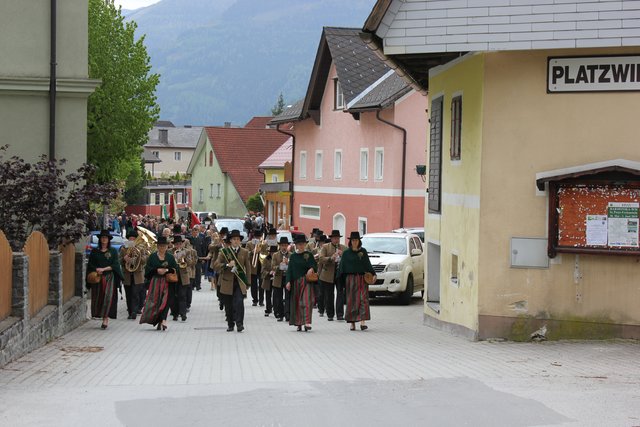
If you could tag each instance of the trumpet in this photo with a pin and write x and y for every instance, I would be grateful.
(181, 258)
(256, 252)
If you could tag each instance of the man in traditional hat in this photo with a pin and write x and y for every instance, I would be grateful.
(223, 233)
(329, 258)
(234, 263)
(133, 274)
(256, 245)
(266, 279)
(178, 291)
(198, 243)
(279, 266)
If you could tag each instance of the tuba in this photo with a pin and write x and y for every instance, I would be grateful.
(134, 253)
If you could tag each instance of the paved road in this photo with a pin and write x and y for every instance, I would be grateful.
(396, 373)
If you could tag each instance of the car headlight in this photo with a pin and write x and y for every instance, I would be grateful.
(394, 267)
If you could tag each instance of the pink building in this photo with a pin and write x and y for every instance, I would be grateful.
(360, 132)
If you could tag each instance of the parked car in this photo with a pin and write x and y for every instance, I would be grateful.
(288, 234)
(398, 260)
(92, 243)
(233, 224)
(418, 231)
(202, 215)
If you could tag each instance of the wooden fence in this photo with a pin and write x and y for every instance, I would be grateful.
(6, 275)
(68, 252)
(37, 249)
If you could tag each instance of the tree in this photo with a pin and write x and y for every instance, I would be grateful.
(254, 203)
(60, 210)
(134, 186)
(279, 107)
(123, 109)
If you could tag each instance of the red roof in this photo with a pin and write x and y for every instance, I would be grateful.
(258, 122)
(279, 157)
(240, 151)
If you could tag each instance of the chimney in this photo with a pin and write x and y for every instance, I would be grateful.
(227, 124)
(164, 136)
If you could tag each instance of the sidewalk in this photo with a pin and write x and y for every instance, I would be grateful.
(397, 371)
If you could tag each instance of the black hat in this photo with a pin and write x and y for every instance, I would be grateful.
(272, 231)
(284, 240)
(105, 233)
(324, 238)
(355, 235)
(177, 239)
(132, 233)
(335, 233)
(162, 240)
(273, 249)
(177, 229)
(257, 233)
(314, 231)
(299, 238)
(234, 233)
(224, 230)
(319, 233)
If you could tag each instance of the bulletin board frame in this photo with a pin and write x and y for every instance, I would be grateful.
(575, 204)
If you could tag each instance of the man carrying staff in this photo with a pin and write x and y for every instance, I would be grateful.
(233, 263)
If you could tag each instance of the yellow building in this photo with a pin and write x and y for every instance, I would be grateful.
(533, 209)
(276, 189)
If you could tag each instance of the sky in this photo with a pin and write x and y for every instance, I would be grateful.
(134, 4)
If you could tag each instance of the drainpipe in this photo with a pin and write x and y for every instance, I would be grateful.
(52, 85)
(404, 162)
(293, 163)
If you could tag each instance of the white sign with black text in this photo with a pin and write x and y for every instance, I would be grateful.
(593, 74)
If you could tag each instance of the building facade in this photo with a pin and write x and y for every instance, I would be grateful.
(276, 189)
(532, 136)
(173, 147)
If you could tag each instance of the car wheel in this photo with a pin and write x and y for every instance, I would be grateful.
(405, 297)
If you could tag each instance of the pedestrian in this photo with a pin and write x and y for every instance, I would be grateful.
(302, 295)
(255, 247)
(159, 264)
(353, 265)
(279, 266)
(234, 264)
(329, 258)
(133, 273)
(266, 279)
(103, 261)
(178, 290)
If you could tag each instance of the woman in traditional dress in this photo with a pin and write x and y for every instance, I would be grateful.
(353, 265)
(104, 294)
(156, 307)
(302, 297)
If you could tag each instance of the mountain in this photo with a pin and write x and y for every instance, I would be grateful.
(228, 60)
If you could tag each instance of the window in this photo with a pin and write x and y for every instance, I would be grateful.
(362, 226)
(201, 195)
(435, 156)
(303, 164)
(274, 178)
(454, 268)
(379, 164)
(162, 198)
(211, 191)
(180, 198)
(177, 155)
(318, 164)
(218, 196)
(156, 154)
(311, 212)
(339, 95)
(337, 164)
(186, 198)
(456, 127)
(152, 198)
(364, 164)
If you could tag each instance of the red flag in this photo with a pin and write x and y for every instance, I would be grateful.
(172, 206)
(194, 219)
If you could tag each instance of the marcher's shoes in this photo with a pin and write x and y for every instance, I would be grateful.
(164, 327)
(255, 304)
(266, 314)
(353, 327)
(184, 318)
(103, 326)
(321, 314)
(240, 328)
(175, 318)
(307, 328)
(299, 328)
(131, 316)
(230, 329)
(261, 304)
(363, 327)
(280, 319)
(340, 318)
(221, 306)
(330, 319)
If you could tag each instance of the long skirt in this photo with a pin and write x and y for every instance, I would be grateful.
(104, 297)
(301, 304)
(156, 305)
(357, 298)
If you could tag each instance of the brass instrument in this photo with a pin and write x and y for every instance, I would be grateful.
(136, 250)
(256, 252)
(239, 273)
(181, 258)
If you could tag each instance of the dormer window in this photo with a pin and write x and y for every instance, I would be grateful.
(339, 96)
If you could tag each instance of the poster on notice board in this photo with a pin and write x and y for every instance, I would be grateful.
(622, 224)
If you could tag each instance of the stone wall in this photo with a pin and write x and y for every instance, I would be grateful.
(20, 333)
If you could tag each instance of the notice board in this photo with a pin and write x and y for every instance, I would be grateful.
(596, 218)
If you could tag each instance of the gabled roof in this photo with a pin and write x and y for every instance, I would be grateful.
(618, 165)
(259, 122)
(240, 151)
(291, 113)
(279, 157)
(149, 157)
(177, 137)
(358, 69)
(164, 124)
(388, 89)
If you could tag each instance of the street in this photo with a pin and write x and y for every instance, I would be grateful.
(398, 372)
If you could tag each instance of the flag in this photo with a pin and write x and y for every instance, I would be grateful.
(172, 207)
(163, 212)
(194, 219)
